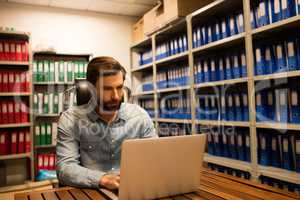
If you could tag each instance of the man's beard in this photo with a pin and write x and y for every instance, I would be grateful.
(110, 106)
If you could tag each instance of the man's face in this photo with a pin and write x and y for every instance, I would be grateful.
(110, 92)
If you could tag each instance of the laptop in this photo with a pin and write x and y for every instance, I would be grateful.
(159, 167)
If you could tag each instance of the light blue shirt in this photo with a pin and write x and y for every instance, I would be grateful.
(87, 147)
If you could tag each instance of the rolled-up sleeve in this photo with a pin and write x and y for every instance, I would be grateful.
(69, 170)
(148, 127)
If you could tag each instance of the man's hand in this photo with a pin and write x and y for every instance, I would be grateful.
(110, 181)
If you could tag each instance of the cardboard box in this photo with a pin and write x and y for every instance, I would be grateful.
(168, 11)
(138, 31)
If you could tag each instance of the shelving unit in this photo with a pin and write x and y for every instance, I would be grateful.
(67, 67)
(17, 167)
(245, 39)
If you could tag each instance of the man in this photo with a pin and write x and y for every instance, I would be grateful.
(90, 135)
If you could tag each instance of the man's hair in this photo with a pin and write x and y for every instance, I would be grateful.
(103, 66)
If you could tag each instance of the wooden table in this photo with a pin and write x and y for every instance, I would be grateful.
(213, 186)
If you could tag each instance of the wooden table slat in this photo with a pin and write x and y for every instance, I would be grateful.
(194, 196)
(219, 193)
(64, 195)
(21, 196)
(50, 196)
(180, 197)
(208, 195)
(79, 195)
(93, 194)
(35, 196)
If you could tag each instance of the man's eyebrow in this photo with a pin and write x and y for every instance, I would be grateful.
(108, 86)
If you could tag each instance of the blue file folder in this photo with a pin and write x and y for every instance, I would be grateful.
(292, 55)
(288, 8)
(295, 106)
(276, 10)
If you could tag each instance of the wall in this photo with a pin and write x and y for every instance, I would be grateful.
(71, 31)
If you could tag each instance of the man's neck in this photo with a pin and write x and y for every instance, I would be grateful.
(108, 117)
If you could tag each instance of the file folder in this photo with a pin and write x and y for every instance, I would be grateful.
(240, 146)
(247, 148)
(271, 106)
(229, 74)
(287, 152)
(243, 65)
(245, 107)
(238, 107)
(236, 66)
(275, 151)
(225, 152)
(288, 8)
(295, 107)
(281, 58)
(259, 61)
(297, 152)
(276, 10)
(230, 111)
(263, 149)
(292, 54)
(270, 65)
(263, 13)
(221, 69)
(233, 146)
(213, 70)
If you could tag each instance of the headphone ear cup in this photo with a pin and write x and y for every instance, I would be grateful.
(84, 92)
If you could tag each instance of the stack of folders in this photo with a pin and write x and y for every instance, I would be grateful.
(292, 187)
(13, 112)
(271, 11)
(148, 105)
(229, 142)
(220, 67)
(172, 47)
(173, 77)
(280, 150)
(147, 82)
(229, 107)
(145, 57)
(46, 161)
(45, 134)
(278, 105)
(14, 51)
(52, 103)
(230, 171)
(279, 56)
(58, 71)
(171, 129)
(14, 81)
(222, 28)
(15, 141)
(175, 108)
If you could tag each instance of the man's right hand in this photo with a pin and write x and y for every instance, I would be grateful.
(110, 181)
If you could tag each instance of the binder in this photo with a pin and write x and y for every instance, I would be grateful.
(46, 103)
(263, 13)
(245, 107)
(233, 25)
(287, 157)
(5, 81)
(24, 47)
(42, 134)
(1, 82)
(259, 61)
(48, 134)
(11, 81)
(185, 42)
(4, 107)
(40, 163)
(2, 51)
(238, 107)
(18, 51)
(214, 108)
(65, 72)
(240, 23)
(6, 50)
(60, 102)
(253, 18)
(243, 65)
(281, 58)
(12, 54)
(209, 34)
(206, 71)
(270, 106)
(204, 38)
(288, 8)
(55, 107)
(225, 151)
(295, 106)
(221, 69)
(4, 143)
(233, 145)
(213, 72)
(276, 10)
(195, 38)
(275, 151)
(217, 144)
(297, 152)
(37, 135)
(207, 107)
(270, 65)
(210, 144)
(229, 74)
(263, 149)
(17, 112)
(224, 31)
(230, 110)
(46, 71)
(61, 77)
(261, 106)
(292, 54)
(51, 162)
(200, 77)
(11, 118)
(247, 148)
(199, 37)
(180, 45)
(282, 105)
(217, 32)
(236, 66)
(54, 133)
(17, 85)
(24, 112)
(223, 108)
(14, 142)
(175, 42)
(21, 142)
(240, 146)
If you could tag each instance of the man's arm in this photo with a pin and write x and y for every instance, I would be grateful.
(149, 130)
(69, 170)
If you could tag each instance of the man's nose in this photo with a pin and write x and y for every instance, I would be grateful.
(115, 95)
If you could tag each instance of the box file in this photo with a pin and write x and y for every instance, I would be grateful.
(224, 29)
(21, 142)
(276, 10)
(263, 149)
(37, 135)
(245, 107)
(247, 148)
(238, 107)
(230, 111)
(292, 52)
(243, 65)
(295, 106)
(214, 108)
(270, 106)
(240, 146)
(222, 69)
(225, 151)
(288, 8)
(217, 144)
(281, 58)
(261, 106)
(240, 23)
(233, 146)
(209, 34)
(275, 151)
(287, 152)
(229, 74)
(48, 134)
(236, 66)
(282, 105)
(14, 142)
(223, 108)
(270, 65)
(259, 61)
(263, 13)
(233, 25)
(297, 152)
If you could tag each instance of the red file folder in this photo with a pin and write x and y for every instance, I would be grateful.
(40, 162)
(14, 141)
(11, 81)
(17, 112)
(18, 51)
(11, 117)
(52, 162)
(24, 48)
(4, 112)
(12, 54)
(6, 50)
(27, 141)
(1, 81)
(21, 142)
(17, 85)
(46, 161)
(1, 50)
(4, 143)
(24, 112)
(4, 81)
